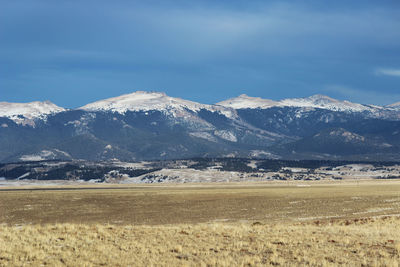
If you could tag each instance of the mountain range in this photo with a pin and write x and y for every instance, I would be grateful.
(151, 125)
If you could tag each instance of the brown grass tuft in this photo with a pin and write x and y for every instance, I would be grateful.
(374, 242)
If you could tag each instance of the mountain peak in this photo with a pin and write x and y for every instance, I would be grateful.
(23, 112)
(325, 102)
(394, 105)
(319, 97)
(141, 101)
(145, 93)
(30, 108)
(244, 101)
(315, 101)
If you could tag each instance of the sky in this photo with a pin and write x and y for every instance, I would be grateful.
(76, 52)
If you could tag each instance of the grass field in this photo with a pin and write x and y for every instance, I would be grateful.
(349, 223)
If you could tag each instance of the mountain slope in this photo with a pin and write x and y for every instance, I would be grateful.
(338, 141)
(26, 113)
(315, 101)
(152, 125)
(244, 101)
(145, 101)
(394, 105)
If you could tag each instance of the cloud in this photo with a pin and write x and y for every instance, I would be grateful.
(275, 49)
(388, 72)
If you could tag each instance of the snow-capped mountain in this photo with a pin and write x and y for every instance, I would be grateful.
(26, 113)
(142, 101)
(315, 101)
(244, 101)
(394, 105)
(152, 125)
(145, 101)
(325, 102)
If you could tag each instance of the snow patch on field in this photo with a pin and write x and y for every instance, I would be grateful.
(45, 155)
(12, 183)
(190, 175)
(24, 175)
(252, 164)
(263, 154)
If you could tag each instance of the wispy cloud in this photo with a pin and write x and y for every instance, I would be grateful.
(388, 72)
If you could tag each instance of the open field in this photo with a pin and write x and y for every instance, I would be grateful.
(316, 223)
(373, 242)
(173, 204)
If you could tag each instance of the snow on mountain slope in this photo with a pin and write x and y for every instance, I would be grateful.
(244, 101)
(325, 102)
(145, 101)
(394, 105)
(315, 101)
(141, 101)
(26, 113)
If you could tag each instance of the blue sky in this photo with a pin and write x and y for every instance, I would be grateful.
(75, 52)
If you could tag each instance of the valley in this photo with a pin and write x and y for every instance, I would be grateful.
(196, 170)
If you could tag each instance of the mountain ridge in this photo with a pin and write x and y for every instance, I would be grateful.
(152, 100)
(29, 111)
(394, 105)
(151, 125)
(314, 101)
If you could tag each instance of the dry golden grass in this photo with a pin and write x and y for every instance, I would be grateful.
(367, 242)
(215, 225)
(180, 204)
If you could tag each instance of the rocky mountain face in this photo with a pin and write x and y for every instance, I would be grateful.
(152, 125)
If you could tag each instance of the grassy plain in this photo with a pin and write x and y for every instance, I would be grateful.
(316, 223)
